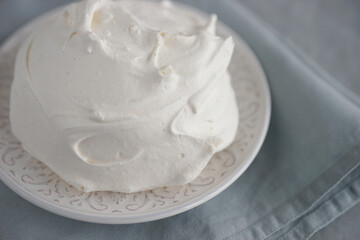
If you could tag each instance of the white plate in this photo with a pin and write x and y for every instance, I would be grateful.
(38, 184)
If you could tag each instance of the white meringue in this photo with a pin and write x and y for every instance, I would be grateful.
(124, 95)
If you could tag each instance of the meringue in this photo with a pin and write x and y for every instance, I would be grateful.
(124, 95)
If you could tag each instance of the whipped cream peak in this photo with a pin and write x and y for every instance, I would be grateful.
(131, 95)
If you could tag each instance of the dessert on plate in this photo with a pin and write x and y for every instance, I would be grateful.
(124, 95)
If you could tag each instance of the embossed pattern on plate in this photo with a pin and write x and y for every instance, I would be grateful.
(37, 183)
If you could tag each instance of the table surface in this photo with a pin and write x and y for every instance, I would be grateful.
(328, 31)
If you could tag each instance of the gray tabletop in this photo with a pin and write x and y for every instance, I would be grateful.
(329, 32)
(326, 30)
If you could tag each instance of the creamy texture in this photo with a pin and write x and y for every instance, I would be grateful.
(124, 95)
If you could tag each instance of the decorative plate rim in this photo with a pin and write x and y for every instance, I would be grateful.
(162, 213)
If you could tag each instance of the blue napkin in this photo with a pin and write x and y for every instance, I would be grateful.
(305, 175)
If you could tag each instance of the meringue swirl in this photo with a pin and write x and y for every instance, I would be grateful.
(124, 95)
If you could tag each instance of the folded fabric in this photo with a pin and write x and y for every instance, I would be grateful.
(305, 175)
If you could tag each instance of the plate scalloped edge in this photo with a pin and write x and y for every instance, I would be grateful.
(36, 183)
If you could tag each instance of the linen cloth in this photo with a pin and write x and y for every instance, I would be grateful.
(305, 175)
